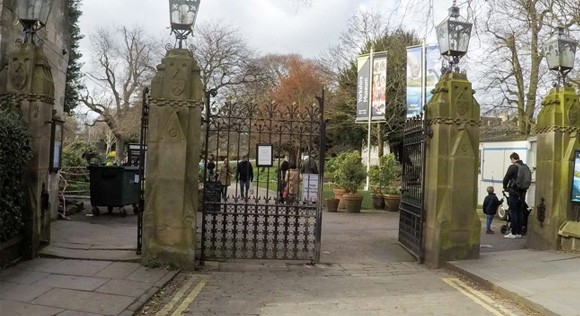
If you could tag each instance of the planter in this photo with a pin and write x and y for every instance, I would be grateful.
(338, 193)
(352, 202)
(378, 202)
(392, 202)
(332, 204)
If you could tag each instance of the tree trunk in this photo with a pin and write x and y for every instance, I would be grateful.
(119, 149)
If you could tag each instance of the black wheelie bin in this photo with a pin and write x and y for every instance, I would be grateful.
(114, 186)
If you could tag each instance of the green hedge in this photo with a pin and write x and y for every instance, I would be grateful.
(15, 152)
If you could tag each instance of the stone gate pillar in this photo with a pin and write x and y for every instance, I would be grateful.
(452, 227)
(557, 129)
(30, 90)
(173, 148)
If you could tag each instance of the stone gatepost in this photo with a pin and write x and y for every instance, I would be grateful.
(452, 227)
(173, 149)
(30, 90)
(557, 128)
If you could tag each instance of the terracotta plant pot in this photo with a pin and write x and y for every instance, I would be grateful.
(352, 202)
(378, 202)
(392, 202)
(332, 204)
(338, 193)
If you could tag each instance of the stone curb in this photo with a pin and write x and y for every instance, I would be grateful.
(145, 297)
(501, 291)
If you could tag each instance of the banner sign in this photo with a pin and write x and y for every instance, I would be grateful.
(576, 178)
(362, 88)
(371, 76)
(416, 64)
(379, 82)
(414, 80)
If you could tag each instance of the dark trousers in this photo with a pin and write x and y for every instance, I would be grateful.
(516, 205)
(244, 188)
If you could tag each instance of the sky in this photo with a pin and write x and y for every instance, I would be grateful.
(269, 26)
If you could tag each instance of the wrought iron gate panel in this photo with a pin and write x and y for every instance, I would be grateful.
(142, 155)
(262, 225)
(411, 207)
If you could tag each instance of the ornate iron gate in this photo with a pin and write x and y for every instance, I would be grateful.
(413, 187)
(142, 155)
(262, 224)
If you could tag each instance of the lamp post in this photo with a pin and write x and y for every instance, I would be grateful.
(182, 14)
(560, 51)
(33, 14)
(453, 36)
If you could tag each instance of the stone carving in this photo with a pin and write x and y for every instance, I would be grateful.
(18, 74)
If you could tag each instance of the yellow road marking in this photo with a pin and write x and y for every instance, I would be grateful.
(478, 297)
(190, 297)
(167, 308)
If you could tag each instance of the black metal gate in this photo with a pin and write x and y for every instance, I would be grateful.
(142, 150)
(262, 223)
(413, 187)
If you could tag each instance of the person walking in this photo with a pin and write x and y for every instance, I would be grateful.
(245, 175)
(211, 167)
(490, 205)
(516, 182)
(282, 180)
(225, 177)
(292, 180)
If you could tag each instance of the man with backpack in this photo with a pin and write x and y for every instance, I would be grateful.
(517, 180)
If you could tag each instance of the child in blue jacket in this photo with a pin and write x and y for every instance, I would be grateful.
(490, 205)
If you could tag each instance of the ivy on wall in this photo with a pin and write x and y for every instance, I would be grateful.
(15, 152)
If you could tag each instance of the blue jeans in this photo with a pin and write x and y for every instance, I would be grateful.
(244, 188)
(489, 218)
(516, 212)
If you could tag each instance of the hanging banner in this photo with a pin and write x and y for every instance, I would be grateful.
(378, 98)
(374, 77)
(414, 80)
(433, 66)
(416, 62)
(362, 88)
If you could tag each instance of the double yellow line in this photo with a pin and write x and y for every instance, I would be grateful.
(180, 297)
(478, 297)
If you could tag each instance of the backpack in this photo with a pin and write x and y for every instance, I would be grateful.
(524, 177)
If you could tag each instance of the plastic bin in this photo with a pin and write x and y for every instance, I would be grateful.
(114, 186)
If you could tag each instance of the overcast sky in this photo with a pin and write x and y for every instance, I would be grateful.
(270, 26)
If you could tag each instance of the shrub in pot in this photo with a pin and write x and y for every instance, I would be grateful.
(350, 175)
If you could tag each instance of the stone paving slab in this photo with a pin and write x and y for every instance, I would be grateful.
(546, 281)
(46, 286)
(14, 308)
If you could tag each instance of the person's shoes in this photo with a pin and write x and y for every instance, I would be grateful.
(510, 236)
(489, 231)
(518, 236)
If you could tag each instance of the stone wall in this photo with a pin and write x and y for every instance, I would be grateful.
(56, 46)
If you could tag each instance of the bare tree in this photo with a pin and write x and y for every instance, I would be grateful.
(225, 58)
(123, 64)
(515, 30)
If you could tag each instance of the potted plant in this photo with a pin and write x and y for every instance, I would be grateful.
(332, 204)
(350, 175)
(377, 190)
(330, 168)
(389, 177)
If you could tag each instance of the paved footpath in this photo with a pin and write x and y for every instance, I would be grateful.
(395, 288)
(47, 286)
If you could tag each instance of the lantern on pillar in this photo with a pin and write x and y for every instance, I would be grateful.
(453, 36)
(182, 14)
(560, 51)
(33, 15)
